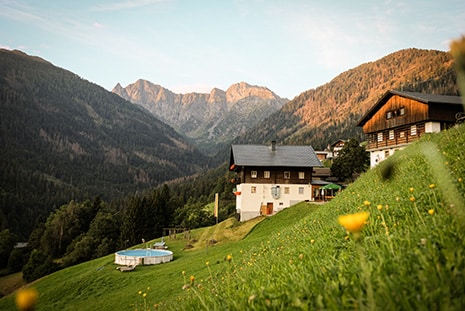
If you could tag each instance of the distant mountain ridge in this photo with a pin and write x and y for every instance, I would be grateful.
(64, 138)
(330, 112)
(208, 119)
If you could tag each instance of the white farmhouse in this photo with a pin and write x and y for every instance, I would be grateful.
(271, 178)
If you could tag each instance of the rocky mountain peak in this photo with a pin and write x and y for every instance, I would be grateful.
(217, 95)
(242, 90)
(121, 91)
(206, 118)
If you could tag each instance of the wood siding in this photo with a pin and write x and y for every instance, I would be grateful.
(414, 112)
(402, 136)
(445, 113)
(276, 175)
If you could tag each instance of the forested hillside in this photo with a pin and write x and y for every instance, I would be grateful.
(63, 138)
(330, 112)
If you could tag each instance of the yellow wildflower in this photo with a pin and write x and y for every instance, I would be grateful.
(144, 295)
(26, 299)
(412, 199)
(411, 189)
(192, 279)
(380, 207)
(431, 186)
(431, 211)
(366, 203)
(229, 258)
(353, 222)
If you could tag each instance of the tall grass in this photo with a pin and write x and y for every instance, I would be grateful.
(410, 254)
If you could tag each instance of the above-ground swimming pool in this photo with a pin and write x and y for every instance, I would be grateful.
(147, 256)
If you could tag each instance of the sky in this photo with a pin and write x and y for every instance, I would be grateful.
(288, 46)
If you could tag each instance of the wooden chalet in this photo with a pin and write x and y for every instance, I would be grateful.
(271, 178)
(399, 118)
(337, 146)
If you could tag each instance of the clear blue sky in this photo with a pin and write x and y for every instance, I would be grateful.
(194, 45)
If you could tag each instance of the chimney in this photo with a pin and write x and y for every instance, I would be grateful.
(273, 145)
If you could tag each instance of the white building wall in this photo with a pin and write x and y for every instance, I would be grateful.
(432, 127)
(248, 204)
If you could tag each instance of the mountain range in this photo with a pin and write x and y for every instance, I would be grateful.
(64, 138)
(208, 119)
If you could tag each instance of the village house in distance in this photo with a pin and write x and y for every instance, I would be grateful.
(399, 118)
(272, 177)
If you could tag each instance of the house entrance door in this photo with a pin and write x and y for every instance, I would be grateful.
(269, 208)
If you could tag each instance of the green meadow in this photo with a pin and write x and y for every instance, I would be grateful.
(409, 254)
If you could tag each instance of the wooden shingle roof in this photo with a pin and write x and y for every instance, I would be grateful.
(429, 99)
(264, 156)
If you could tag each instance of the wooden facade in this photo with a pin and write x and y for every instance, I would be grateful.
(277, 175)
(399, 118)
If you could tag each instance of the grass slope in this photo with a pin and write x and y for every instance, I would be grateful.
(409, 255)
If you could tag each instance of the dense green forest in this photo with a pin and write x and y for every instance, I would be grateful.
(63, 138)
(80, 231)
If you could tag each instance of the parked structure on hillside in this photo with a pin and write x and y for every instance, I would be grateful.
(399, 118)
(271, 178)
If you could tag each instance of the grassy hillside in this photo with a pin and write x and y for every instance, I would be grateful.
(410, 253)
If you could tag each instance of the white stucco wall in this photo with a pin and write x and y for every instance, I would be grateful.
(248, 204)
(432, 127)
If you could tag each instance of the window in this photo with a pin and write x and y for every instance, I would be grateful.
(286, 190)
(253, 174)
(413, 130)
(253, 189)
(391, 134)
(266, 174)
(301, 190)
(395, 113)
(380, 136)
(386, 153)
(301, 175)
(402, 134)
(287, 175)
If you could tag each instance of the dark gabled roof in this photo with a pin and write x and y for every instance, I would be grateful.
(284, 156)
(428, 99)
